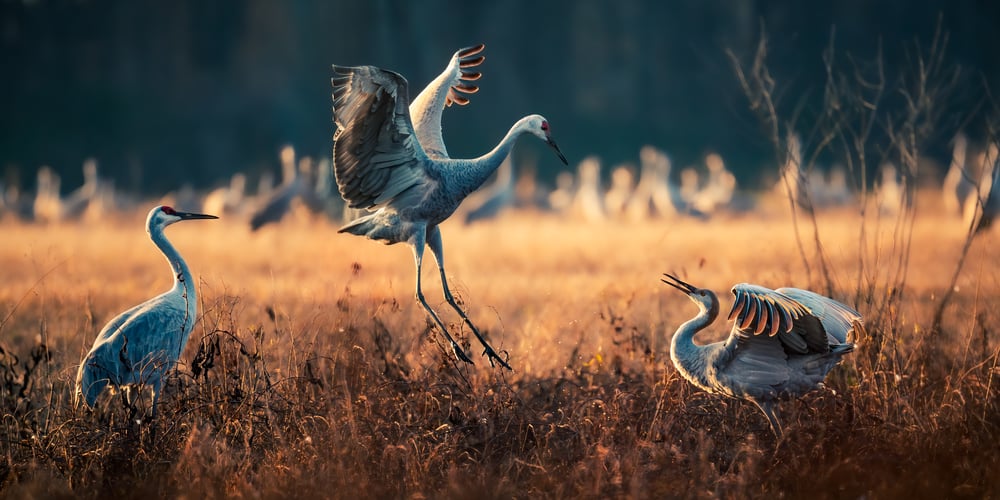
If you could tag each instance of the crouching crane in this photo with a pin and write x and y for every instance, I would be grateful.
(139, 346)
(783, 343)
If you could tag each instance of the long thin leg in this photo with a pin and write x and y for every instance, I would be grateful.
(418, 243)
(772, 417)
(437, 248)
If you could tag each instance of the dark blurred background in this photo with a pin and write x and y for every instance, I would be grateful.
(189, 91)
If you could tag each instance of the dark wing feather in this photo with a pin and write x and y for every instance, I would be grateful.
(836, 319)
(778, 315)
(376, 156)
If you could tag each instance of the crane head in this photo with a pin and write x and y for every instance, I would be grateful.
(539, 126)
(705, 298)
(163, 216)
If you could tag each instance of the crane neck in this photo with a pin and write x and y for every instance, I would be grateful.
(479, 169)
(183, 280)
(687, 355)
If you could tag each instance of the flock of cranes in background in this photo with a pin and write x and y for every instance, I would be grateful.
(307, 191)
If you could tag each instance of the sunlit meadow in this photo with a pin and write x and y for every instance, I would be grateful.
(313, 371)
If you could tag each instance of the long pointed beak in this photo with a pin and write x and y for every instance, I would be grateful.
(676, 282)
(553, 145)
(194, 216)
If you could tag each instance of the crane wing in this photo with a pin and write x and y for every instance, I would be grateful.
(447, 89)
(758, 310)
(754, 363)
(137, 346)
(836, 319)
(376, 156)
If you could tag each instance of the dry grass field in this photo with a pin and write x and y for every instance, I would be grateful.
(313, 372)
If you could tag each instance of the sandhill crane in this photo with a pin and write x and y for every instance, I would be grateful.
(561, 198)
(957, 186)
(47, 206)
(529, 192)
(297, 194)
(80, 201)
(279, 201)
(227, 200)
(88, 201)
(139, 346)
(620, 192)
(16, 203)
(719, 188)
(652, 195)
(792, 183)
(587, 203)
(783, 343)
(892, 197)
(838, 193)
(389, 157)
(983, 204)
(690, 185)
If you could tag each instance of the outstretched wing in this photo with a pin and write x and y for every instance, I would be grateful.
(447, 89)
(764, 333)
(376, 156)
(837, 319)
(782, 339)
(758, 310)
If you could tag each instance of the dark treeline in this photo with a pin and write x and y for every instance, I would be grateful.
(167, 92)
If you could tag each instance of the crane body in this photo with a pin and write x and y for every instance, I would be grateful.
(389, 158)
(783, 343)
(139, 346)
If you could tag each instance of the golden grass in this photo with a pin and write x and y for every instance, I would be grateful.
(313, 372)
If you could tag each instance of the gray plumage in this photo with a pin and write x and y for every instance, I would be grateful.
(489, 201)
(783, 343)
(389, 157)
(139, 346)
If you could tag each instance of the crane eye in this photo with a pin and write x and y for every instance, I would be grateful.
(545, 126)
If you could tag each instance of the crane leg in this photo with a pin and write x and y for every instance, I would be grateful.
(772, 416)
(418, 256)
(437, 248)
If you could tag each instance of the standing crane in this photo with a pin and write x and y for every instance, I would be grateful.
(139, 346)
(783, 343)
(389, 157)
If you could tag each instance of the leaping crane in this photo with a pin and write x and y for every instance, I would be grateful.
(389, 157)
